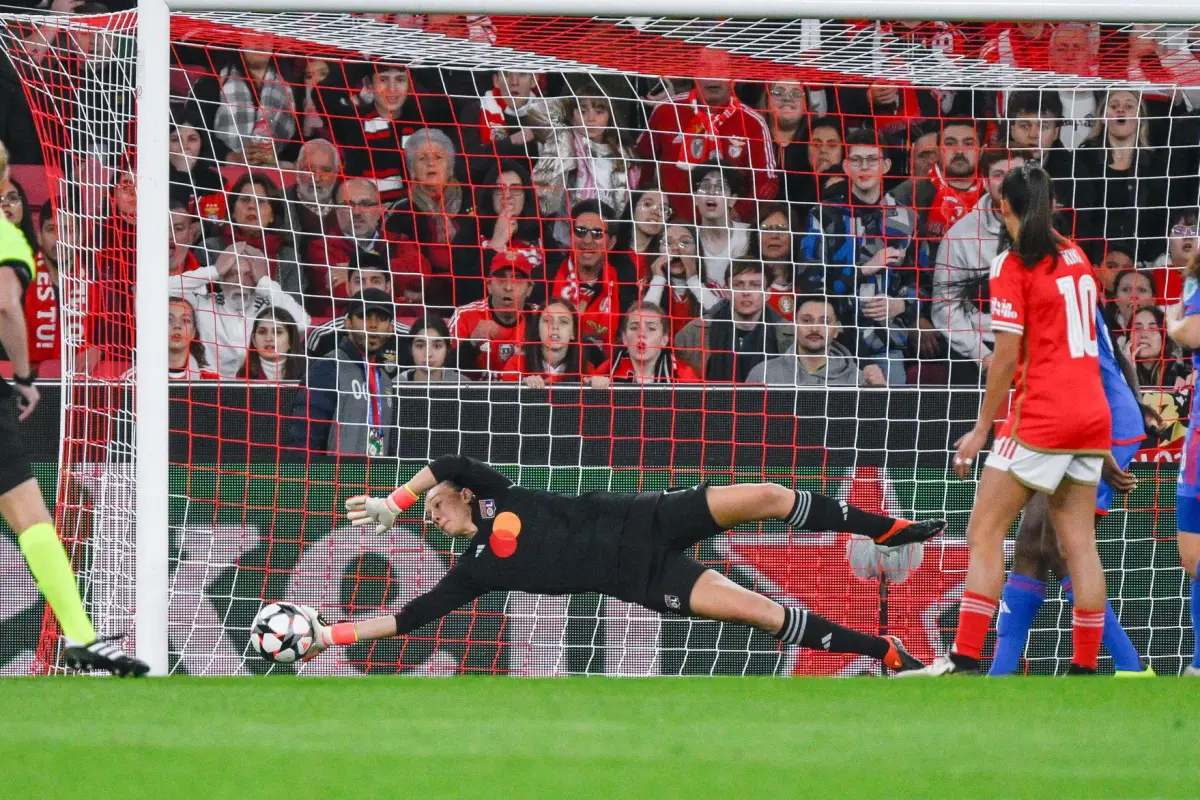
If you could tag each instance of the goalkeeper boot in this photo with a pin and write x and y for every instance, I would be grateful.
(102, 655)
(905, 532)
(946, 665)
(898, 659)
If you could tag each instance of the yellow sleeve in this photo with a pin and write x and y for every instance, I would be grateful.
(16, 253)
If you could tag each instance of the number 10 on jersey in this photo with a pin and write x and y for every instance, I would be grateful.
(1081, 314)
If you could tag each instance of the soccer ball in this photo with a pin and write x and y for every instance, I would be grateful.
(281, 633)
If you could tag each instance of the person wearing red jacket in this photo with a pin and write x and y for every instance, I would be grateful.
(489, 332)
(1023, 44)
(646, 356)
(552, 354)
(362, 230)
(709, 125)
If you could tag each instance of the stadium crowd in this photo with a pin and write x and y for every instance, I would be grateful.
(350, 223)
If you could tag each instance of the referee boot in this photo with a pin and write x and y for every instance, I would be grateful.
(905, 532)
(102, 655)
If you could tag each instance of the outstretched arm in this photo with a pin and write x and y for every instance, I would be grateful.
(461, 470)
(452, 592)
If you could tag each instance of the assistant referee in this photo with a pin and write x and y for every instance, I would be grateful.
(628, 546)
(21, 502)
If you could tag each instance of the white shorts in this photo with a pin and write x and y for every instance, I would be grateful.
(1043, 471)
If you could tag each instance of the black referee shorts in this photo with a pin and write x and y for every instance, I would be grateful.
(681, 519)
(14, 462)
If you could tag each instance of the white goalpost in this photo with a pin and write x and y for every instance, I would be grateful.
(212, 539)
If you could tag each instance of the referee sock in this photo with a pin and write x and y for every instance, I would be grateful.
(818, 512)
(48, 563)
(1124, 655)
(1020, 602)
(803, 628)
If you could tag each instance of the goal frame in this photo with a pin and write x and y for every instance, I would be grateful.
(152, 467)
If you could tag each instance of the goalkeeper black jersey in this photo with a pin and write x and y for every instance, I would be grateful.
(591, 542)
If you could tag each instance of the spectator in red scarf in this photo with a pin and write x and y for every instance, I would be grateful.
(552, 352)
(709, 125)
(588, 276)
(504, 122)
(674, 276)
(952, 188)
(646, 356)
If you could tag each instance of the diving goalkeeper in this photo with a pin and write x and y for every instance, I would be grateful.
(628, 546)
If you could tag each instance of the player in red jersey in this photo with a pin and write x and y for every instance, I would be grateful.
(1043, 292)
(493, 330)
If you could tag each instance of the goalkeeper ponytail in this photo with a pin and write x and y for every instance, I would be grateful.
(1028, 192)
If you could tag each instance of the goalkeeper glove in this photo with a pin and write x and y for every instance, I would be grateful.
(322, 634)
(380, 511)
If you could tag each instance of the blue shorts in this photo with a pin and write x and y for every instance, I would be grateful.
(1124, 454)
(1187, 513)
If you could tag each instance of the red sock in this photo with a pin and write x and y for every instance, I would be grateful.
(974, 619)
(1087, 628)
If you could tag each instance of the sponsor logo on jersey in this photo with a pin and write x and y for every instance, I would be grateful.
(487, 508)
(479, 549)
(1003, 308)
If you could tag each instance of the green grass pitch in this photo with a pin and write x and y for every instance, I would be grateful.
(605, 738)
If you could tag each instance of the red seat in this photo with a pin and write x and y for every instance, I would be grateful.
(50, 370)
(36, 182)
(111, 370)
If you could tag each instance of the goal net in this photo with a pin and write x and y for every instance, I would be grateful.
(766, 189)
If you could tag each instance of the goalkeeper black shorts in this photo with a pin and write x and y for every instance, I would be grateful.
(14, 461)
(681, 519)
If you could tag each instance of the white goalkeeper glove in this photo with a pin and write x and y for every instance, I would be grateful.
(322, 633)
(378, 511)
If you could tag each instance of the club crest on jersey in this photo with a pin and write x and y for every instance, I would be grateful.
(696, 146)
(671, 601)
(487, 508)
(735, 148)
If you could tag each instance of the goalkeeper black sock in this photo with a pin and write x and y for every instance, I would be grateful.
(818, 512)
(803, 628)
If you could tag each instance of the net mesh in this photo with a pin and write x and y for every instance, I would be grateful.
(449, 163)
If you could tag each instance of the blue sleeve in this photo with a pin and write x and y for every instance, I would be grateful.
(812, 245)
(1191, 302)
